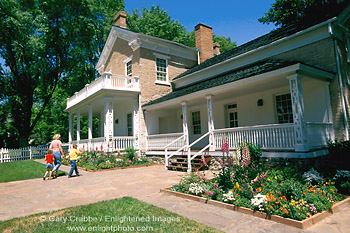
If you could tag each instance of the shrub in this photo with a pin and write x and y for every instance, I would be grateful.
(338, 152)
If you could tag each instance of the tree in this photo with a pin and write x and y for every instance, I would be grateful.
(45, 43)
(298, 12)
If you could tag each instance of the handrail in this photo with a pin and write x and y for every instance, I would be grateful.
(252, 127)
(165, 147)
(189, 158)
(201, 151)
(171, 155)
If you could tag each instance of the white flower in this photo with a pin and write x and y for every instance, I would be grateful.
(228, 197)
(195, 188)
(312, 175)
(258, 201)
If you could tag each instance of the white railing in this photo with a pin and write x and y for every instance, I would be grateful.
(182, 138)
(189, 158)
(274, 136)
(9, 155)
(106, 81)
(319, 134)
(122, 142)
(160, 141)
(99, 144)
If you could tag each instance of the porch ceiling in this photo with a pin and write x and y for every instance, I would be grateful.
(245, 86)
(97, 102)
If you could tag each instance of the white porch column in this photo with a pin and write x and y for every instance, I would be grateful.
(90, 128)
(184, 122)
(298, 112)
(136, 123)
(78, 127)
(108, 122)
(70, 132)
(210, 122)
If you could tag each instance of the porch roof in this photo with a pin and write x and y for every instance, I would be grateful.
(259, 68)
(238, 74)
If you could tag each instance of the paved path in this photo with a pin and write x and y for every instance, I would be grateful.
(21, 198)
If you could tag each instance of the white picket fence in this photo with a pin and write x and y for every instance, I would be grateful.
(32, 152)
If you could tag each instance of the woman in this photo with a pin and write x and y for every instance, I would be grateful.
(56, 147)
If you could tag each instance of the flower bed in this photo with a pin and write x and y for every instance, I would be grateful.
(98, 160)
(246, 181)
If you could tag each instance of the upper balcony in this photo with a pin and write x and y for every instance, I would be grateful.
(106, 82)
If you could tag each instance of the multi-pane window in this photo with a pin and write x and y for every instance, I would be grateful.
(129, 68)
(196, 122)
(129, 124)
(232, 115)
(161, 69)
(284, 108)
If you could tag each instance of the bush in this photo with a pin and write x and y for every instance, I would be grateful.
(339, 154)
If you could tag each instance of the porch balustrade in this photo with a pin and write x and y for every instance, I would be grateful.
(274, 136)
(118, 143)
(319, 134)
(106, 81)
(159, 141)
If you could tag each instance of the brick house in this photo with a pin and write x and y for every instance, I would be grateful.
(287, 91)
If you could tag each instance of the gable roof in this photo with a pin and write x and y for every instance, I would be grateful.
(137, 40)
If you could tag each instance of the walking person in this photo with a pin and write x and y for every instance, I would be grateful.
(73, 156)
(56, 147)
(49, 158)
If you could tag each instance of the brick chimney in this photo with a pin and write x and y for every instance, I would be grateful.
(204, 41)
(216, 48)
(120, 19)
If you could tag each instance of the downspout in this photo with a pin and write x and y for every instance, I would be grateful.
(198, 57)
(340, 84)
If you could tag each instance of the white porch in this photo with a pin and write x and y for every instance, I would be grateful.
(105, 114)
(287, 112)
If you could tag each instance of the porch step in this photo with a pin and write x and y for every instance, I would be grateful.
(181, 163)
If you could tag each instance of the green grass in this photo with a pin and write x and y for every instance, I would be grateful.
(23, 170)
(119, 215)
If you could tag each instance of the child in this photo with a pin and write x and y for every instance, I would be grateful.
(49, 158)
(73, 156)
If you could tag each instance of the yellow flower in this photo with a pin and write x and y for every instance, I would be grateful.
(237, 185)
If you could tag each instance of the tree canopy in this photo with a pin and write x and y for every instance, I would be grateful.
(50, 50)
(296, 12)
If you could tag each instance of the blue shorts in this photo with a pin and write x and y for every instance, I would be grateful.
(49, 165)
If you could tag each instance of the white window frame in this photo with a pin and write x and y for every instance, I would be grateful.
(132, 124)
(126, 61)
(166, 58)
(275, 106)
(228, 111)
(200, 122)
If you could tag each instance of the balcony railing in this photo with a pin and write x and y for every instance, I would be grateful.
(107, 81)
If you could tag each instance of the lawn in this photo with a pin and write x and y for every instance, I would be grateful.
(118, 215)
(22, 170)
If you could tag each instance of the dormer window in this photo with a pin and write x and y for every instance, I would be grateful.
(162, 69)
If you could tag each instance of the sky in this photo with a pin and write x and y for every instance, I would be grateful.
(236, 19)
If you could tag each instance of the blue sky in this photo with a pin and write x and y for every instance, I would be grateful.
(230, 18)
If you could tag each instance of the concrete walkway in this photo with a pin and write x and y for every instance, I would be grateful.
(22, 198)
